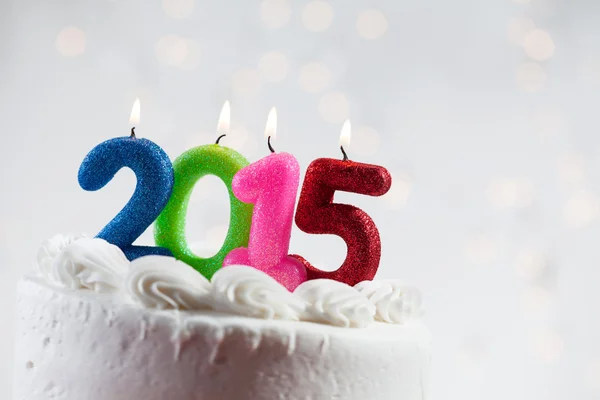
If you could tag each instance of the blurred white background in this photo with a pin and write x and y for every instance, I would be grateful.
(485, 112)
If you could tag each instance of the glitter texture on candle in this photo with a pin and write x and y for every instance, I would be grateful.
(154, 173)
(271, 184)
(318, 214)
(190, 167)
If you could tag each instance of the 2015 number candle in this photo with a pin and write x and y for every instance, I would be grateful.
(271, 184)
(189, 168)
(318, 214)
(262, 199)
(154, 174)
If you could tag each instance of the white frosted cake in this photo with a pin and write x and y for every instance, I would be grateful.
(94, 326)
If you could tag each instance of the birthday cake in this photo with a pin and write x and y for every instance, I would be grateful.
(101, 319)
(92, 325)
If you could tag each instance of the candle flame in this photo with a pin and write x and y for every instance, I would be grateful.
(271, 128)
(134, 118)
(346, 134)
(224, 120)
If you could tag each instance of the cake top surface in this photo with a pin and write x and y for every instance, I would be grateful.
(163, 284)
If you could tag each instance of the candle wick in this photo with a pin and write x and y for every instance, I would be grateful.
(269, 144)
(132, 136)
(344, 153)
(219, 138)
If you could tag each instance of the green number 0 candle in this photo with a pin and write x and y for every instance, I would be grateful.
(188, 169)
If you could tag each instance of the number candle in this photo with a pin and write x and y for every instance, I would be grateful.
(318, 214)
(271, 184)
(154, 174)
(189, 168)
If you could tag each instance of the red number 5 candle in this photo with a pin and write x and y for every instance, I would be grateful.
(318, 214)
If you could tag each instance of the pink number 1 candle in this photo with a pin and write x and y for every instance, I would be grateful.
(271, 184)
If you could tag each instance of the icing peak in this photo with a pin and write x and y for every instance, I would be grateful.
(83, 263)
(165, 283)
(335, 303)
(247, 291)
(49, 250)
(395, 302)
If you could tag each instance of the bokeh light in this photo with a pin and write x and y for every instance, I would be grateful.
(371, 24)
(538, 45)
(505, 193)
(317, 15)
(172, 50)
(480, 249)
(246, 82)
(548, 346)
(178, 9)
(531, 77)
(70, 41)
(273, 66)
(178, 52)
(314, 77)
(365, 141)
(275, 13)
(530, 264)
(397, 197)
(581, 209)
(519, 28)
(334, 107)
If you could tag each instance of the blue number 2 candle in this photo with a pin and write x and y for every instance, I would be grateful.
(154, 173)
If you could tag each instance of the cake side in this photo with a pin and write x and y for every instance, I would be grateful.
(87, 345)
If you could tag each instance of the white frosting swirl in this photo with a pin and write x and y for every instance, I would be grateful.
(49, 250)
(92, 264)
(159, 282)
(396, 303)
(165, 283)
(335, 303)
(247, 291)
